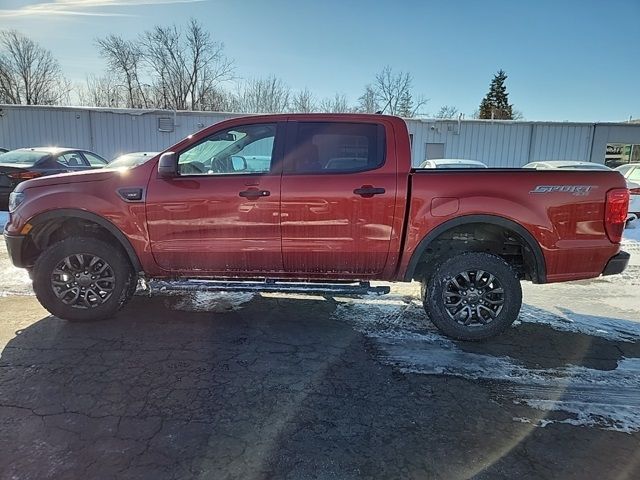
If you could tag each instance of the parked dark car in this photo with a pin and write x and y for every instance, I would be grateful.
(25, 163)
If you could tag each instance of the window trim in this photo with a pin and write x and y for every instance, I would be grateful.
(274, 167)
(292, 142)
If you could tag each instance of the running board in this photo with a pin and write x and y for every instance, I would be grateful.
(196, 285)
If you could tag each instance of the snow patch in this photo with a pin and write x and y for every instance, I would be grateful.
(217, 302)
(406, 340)
(632, 231)
(13, 281)
(616, 330)
(593, 398)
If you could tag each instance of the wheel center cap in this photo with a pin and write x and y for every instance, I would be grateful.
(473, 297)
(84, 280)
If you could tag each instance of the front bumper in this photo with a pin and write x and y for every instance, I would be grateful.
(15, 245)
(616, 264)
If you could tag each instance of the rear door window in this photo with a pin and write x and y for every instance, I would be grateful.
(72, 160)
(334, 147)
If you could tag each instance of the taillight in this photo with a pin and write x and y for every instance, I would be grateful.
(615, 214)
(23, 175)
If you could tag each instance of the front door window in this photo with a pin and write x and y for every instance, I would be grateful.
(245, 150)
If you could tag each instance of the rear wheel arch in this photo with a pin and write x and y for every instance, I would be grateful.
(47, 225)
(533, 253)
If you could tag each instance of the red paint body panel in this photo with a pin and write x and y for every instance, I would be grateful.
(568, 228)
(314, 226)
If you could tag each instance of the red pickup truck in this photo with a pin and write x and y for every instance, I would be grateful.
(315, 202)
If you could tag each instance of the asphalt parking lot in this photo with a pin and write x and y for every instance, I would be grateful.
(274, 386)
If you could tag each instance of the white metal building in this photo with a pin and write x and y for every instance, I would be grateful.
(110, 132)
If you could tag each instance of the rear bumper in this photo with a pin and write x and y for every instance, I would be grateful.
(14, 248)
(616, 264)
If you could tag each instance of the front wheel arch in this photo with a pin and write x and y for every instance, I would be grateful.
(47, 222)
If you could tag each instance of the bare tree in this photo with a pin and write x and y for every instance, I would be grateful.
(124, 59)
(262, 95)
(336, 104)
(446, 112)
(303, 101)
(187, 66)
(394, 93)
(29, 74)
(102, 92)
(217, 100)
(368, 102)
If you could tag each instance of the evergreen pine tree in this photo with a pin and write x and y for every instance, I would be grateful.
(405, 105)
(497, 100)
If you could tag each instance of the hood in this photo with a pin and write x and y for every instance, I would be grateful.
(75, 177)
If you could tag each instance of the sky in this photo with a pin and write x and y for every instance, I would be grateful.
(573, 60)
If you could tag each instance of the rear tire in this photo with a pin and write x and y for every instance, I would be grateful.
(473, 296)
(81, 279)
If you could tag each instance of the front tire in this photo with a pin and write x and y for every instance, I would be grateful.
(473, 296)
(82, 279)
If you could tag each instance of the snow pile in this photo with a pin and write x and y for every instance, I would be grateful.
(13, 281)
(631, 240)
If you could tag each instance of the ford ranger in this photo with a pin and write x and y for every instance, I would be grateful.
(314, 201)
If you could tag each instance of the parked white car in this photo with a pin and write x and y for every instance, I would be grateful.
(566, 165)
(631, 172)
(452, 163)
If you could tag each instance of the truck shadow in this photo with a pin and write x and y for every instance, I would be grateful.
(262, 389)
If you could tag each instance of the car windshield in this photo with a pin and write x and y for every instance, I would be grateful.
(27, 157)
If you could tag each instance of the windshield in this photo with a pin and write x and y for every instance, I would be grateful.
(131, 160)
(28, 157)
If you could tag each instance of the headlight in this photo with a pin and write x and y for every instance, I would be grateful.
(15, 199)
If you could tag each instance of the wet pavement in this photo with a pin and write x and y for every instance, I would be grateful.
(294, 387)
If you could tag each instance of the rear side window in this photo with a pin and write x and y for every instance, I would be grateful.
(94, 160)
(331, 147)
(71, 159)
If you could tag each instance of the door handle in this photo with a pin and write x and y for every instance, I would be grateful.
(254, 193)
(368, 191)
